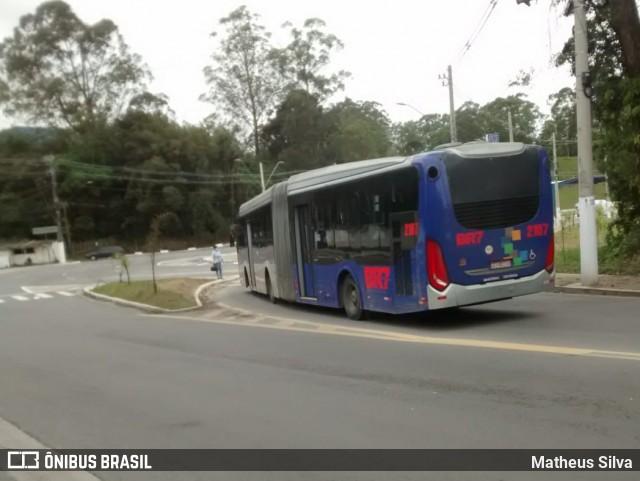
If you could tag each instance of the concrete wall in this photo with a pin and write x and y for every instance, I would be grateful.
(5, 258)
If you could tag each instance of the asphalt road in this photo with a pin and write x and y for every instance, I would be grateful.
(74, 275)
(78, 373)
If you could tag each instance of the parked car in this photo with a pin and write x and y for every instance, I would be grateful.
(104, 252)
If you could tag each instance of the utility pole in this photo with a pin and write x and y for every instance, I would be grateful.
(56, 205)
(510, 126)
(555, 178)
(586, 201)
(67, 228)
(447, 80)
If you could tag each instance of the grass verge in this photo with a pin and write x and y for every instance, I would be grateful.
(567, 254)
(172, 293)
(567, 261)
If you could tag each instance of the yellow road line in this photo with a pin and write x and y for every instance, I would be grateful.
(322, 328)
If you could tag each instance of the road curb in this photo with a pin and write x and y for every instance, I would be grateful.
(88, 291)
(601, 291)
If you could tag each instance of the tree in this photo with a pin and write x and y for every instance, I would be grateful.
(303, 61)
(123, 265)
(625, 22)
(469, 123)
(524, 113)
(409, 137)
(297, 134)
(25, 186)
(158, 224)
(243, 80)
(413, 137)
(563, 120)
(614, 54)
(60, 71)
(357, 131)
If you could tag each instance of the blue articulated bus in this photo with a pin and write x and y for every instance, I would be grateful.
(464, 224)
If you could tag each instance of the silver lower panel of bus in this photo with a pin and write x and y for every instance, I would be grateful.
(458, 295)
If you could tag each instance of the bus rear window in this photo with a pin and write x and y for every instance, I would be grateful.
(494, 192)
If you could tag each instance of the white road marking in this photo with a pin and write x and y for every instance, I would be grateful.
(53, 288)
(42, 296)
(34, 296)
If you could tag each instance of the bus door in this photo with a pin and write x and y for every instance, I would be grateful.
(404, 236)
(304, 250)
(250, 257)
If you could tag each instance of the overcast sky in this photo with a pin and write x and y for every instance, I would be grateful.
(395, 49)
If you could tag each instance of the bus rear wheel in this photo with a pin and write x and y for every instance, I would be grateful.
(351, 299)
(246, 279)
(272, 297)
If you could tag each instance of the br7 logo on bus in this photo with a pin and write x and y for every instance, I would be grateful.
(537, 230)
(377, 277)
(469, 238)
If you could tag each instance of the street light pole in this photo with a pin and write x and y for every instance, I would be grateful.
(262, 182)
(261, 176)
(233, 193)
(273, 171)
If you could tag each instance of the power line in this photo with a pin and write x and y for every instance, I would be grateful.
(476, 32)
(166, 173)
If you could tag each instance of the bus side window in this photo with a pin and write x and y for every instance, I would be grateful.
(331, 219)
(268, 228)
(321, 208)
(378, 213)
(366, 209)
(342, 211)
(241, 236)
(354, 211)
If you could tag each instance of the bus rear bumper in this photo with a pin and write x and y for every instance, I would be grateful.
(459, 295)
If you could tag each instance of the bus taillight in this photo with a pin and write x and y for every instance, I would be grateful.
(548, 265)
(436, 267)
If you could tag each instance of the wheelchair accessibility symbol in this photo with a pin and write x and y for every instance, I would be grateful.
(532, 255)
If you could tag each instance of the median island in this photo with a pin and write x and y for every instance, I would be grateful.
(171, 293)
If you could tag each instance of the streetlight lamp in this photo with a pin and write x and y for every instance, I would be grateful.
(410, 106)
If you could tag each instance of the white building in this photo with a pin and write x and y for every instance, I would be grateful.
(31, 252)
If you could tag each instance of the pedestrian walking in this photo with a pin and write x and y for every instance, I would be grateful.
(216, 261)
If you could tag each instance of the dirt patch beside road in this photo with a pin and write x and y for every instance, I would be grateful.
(628, 283)
(186, 287)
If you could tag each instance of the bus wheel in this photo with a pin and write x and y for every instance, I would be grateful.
(272, 297)
(351, 299)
